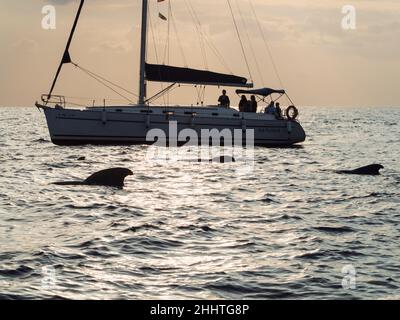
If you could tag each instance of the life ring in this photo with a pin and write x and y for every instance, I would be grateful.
(292, 113)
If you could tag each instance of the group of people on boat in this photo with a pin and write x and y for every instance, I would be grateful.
(248, 106)
(251, 105)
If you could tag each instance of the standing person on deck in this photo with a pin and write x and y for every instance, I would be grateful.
(253, 104)
(244, 105)
(224, 100)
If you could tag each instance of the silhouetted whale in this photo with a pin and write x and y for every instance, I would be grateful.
(372, 170)
(110, 177)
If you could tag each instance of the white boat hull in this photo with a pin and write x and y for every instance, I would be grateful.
(130, 125)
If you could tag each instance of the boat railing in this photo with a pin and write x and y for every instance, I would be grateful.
(54, 100)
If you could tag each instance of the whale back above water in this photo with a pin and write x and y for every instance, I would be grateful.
(114, 177)
(372, 170)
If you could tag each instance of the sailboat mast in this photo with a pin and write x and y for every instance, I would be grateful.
(143, 43)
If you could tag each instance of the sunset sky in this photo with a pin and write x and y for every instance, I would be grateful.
(320, 64)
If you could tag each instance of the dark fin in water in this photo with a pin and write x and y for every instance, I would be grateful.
(372, 170)
(110, 177)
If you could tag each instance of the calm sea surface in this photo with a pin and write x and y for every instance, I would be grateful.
(291, 229)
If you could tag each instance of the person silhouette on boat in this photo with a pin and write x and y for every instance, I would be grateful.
(224, 100)
(271, 108)
(244, 105)
(253, 104)
(278, 112)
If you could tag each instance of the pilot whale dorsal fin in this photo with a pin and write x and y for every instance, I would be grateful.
(114, 177)
(372, 170)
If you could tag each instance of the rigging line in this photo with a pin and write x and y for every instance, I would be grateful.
(210, 44)
(266, 44)
(153, 33)
(103, 83)
(197, 25)
(179, 39)
(167, 90)
(208, 41)
(218, 55)
(202, 38)
(166, 46)
(250, 42)
(153, 37)
(240, 39)
(104, 79)
(161, 93)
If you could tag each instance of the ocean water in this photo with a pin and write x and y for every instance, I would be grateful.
(290, 229)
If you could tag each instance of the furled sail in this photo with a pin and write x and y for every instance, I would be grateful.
(163, 73)
(261, 92)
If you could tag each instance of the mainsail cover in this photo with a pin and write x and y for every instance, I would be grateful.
(164, 73)
(261, 92)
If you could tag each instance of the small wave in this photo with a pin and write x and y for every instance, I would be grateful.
(334, 229)
(15, 297)
(21, 271)
(101, 252)
(316, 254)
(204, 228)
(234, 288)
(387, 284)
(141, 227)
(50, 255)
(41, 140)
(145, 245)
(288, 217)
(8, 119)
(268, 200)
(89, 207)
(84, 244)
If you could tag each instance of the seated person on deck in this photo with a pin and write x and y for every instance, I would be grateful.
(271, 108)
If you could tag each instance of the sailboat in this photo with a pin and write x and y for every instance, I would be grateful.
(132, 124)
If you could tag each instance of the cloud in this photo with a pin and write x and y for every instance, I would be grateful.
(306, 38)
